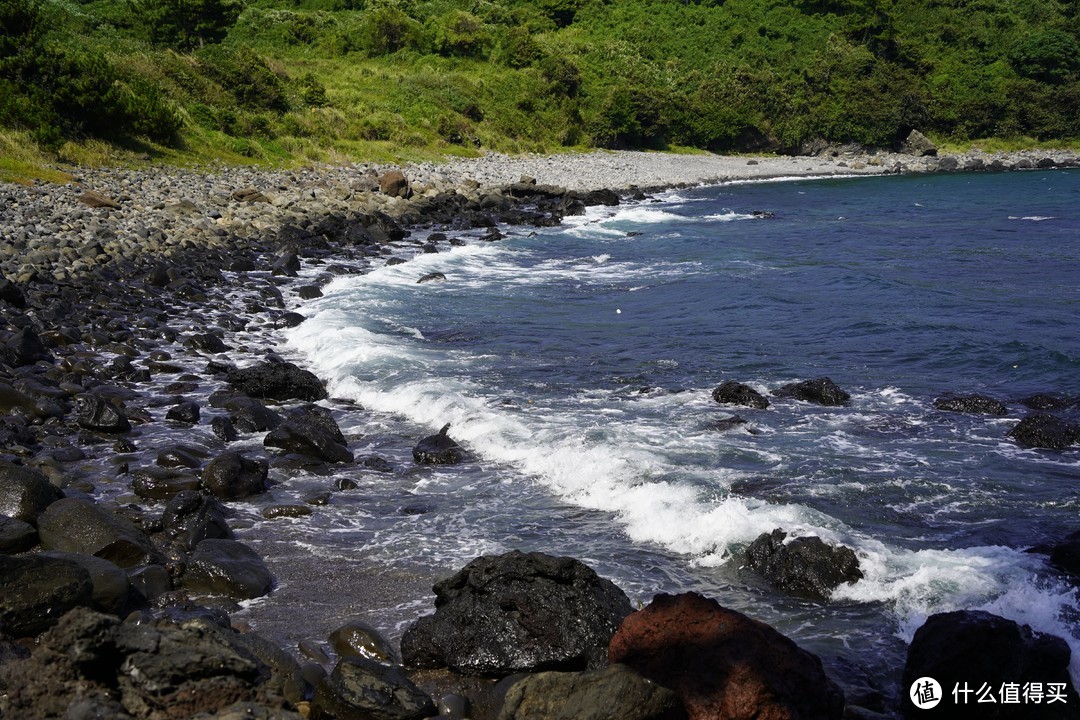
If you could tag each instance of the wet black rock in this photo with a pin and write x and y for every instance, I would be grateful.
(1043, 430)
(358, 639)
(191, 517)
(110, 587)
(431, 277)
(820, 391)
(729, 423)
(277, 381)
(223, 427)
(614, 692)
(186, 412)
(309, 292)
(24, 347)
(438, 449)
(80, 526)
(231, 476)
(250, 415)
(735, 393)
(518, 612)
(229, 568)
(806, 566)
(96, 413)
(971, 649)
(36, 590)
(291, 319)
(25, 493)
(310, 430)
(162, 483)
(376, 463)
(975, 404)
(16, 536)
(600, 197)
(207, 342)
(1044, 401)
(362, 689)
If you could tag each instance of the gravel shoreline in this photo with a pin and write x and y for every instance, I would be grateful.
(128, 214)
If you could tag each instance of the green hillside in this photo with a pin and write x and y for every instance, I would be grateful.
(285, 80)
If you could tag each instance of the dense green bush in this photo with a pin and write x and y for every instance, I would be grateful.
(245, 74)
(58, 89)
(186, 24)
(725, 75)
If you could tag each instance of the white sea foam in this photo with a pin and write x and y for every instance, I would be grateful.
(592, 453)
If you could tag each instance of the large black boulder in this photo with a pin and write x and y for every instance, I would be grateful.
(1043, 430)
(25, 493)
(310, 430)
(806, 566)
(36, 590)
(820, 391)
(971, 650)
(81, 526)
(363, 689)
(94, 412)
(231, 476)
(518, 612)
(438, 449)
(277, 381)
(974, 404)
(735, 393)
(229, 568)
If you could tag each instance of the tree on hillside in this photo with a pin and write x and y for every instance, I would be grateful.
(187, 24)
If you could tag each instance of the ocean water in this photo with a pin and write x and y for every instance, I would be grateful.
(575, 364)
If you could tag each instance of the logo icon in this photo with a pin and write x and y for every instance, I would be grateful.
(925, 693)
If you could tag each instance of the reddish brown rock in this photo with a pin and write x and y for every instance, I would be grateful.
(94, 199)
(394, 183)
(723, 664)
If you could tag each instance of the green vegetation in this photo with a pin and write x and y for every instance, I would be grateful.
(285, 80)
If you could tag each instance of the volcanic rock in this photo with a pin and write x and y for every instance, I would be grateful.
(438, 449)
(972, 649)
(231, 476)
(80, 526)
(36, 590)
(735, 393)
(277, 381)
(976, 404)
(723, 664)
(362, 689)
(805, 566)
(227, 567)
(820, 391)
(517, 612)
(1043, 430)
(25, 493)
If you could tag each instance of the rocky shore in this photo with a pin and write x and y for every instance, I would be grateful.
(137, 306)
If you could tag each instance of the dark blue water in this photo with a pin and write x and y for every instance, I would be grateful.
(577, 363)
